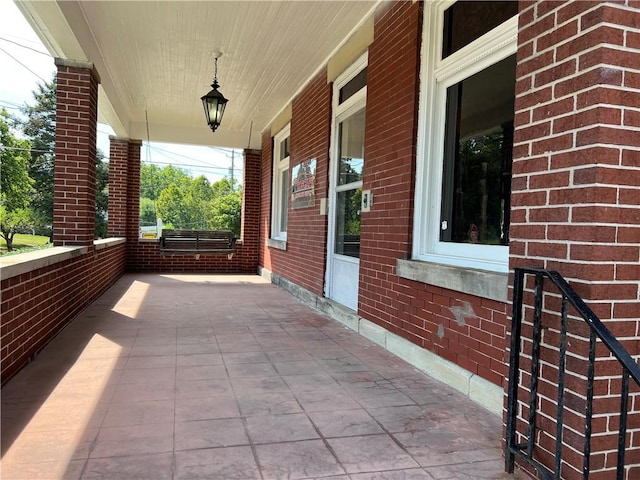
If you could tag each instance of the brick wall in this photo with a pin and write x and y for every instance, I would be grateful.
(144, 256)
(75, 162)
(304, 260)
(576, 179)
(467, 330)
(37, 305)
(390, 154)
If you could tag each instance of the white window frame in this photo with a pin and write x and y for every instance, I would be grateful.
(279, 166)
(341, 111)
(437, 75)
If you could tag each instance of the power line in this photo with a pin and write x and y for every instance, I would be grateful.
(8, 102)
(227, 151)
(204, 167)
(27, 47)
(180, 154)
(25, 149)
(169, 153)
(14, 58)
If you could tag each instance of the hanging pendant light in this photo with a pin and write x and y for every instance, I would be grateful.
(214, 102)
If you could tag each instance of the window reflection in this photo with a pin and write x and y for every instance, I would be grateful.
(478, 155)
(284, 200)
(351, 156)
(348, 223)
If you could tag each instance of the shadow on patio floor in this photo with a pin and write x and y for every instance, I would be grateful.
(229, 377)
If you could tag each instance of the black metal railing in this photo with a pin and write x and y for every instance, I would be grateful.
(630, 369)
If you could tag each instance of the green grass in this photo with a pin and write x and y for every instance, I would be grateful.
(24, 243)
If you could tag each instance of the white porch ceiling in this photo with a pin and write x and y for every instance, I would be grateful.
(155, 58)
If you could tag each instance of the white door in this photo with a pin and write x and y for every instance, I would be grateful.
(347, 163)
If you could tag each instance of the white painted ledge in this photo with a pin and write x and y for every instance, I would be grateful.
(479, 283)
(279, 244)
(14, 265)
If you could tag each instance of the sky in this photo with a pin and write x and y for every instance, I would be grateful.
(24, 62)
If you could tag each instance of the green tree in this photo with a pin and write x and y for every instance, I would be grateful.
(172, 208)
(40, 128)
(223, 187)
(226, 207)
(15, 184)
(201, 189)
(184, 202)
(226, 212)
(147, 212)
(102, 195)
(171, 175)
(150, 182)
(197, 202)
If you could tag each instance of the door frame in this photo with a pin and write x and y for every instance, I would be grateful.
(339, 112)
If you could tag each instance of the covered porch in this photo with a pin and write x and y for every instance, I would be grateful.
(187, 376)
(181, 373)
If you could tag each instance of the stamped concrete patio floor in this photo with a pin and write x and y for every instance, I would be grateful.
(230, 377)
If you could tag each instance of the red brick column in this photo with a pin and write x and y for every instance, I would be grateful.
(133, 190)
(118, 181)
(250, 209)
(575, 197)
(74, 201)
(264, 259)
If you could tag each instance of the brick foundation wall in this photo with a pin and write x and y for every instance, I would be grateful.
(38, 304)
(575, 204)
(144, 256)
(304, 260)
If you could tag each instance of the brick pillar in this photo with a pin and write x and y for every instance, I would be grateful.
(250, 209)
(133, 191)
(74, 203)
(118, 181)
(575, 198)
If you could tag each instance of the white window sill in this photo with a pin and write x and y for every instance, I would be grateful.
(279, 244)
(480, 283)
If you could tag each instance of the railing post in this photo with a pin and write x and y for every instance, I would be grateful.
(514, 368)
(550, 464)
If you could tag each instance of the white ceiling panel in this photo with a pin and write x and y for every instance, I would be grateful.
(155, 59)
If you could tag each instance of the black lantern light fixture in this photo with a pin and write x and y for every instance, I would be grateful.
(214, 102)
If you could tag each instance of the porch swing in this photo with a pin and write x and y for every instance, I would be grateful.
(197, 242)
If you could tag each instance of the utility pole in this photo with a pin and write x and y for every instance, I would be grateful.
(232, 165)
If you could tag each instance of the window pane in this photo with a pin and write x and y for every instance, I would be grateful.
(284, 149)
(284, 199)
(466, 21)
(353, 86)
(351, 134)
(478, 154)
(348, 222)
